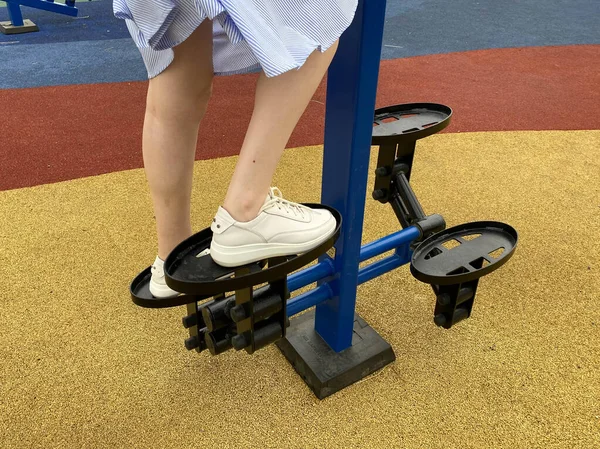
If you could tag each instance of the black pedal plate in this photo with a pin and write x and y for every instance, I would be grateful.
(140, 286)
(141, 296)
(411, 121)
(187, 273)
(463, 253)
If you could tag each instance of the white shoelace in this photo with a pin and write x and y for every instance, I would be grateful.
(277, 200)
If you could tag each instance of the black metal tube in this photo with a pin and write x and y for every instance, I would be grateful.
(216, 313)
(400, 210)
(414, 209)
(267, 302)
(218, 342)
(267, 334)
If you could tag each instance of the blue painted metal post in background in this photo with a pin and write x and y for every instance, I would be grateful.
(14, 14)
(67, 8)
(351, 94)
(18, 25)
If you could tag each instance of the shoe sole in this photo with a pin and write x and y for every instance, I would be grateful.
(236, 256)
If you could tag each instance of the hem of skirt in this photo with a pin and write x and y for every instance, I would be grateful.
(162, 68)
(252, 69)
(247, 70)
(271, 73)
(297, 65)
(322, 47)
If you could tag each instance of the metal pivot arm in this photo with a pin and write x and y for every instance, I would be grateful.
(403, 198)
(396, 130)
(454, 303)
(392, 185)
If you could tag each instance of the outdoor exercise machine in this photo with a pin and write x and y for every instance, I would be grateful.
(17, 24)
(331, 346)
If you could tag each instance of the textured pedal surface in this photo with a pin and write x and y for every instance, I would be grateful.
(411, 121)
(463, 253)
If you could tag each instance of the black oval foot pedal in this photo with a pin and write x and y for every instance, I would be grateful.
(409, 122)
(454, 260)
(463, 253)
(140, 287)
(141, 296)
(188, 273)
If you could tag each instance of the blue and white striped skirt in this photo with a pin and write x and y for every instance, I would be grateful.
(272, 35)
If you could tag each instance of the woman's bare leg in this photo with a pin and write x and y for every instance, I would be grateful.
(279, 104)
(176, 102)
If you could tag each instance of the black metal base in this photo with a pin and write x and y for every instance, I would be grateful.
(325, 371)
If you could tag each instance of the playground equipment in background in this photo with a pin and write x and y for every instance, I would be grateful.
(17, 24)
(332, 347)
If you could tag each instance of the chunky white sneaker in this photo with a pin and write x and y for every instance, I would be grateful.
(282, 228)
(158, 286)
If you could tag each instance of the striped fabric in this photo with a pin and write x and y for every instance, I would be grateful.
(273, 35)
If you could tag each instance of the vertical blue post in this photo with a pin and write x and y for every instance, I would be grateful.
(351, 93)
(14, 14)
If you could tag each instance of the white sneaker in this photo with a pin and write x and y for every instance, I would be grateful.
(282, 228)
(158, 286)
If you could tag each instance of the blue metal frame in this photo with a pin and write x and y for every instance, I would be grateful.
(16, 17)
(351, 93)
(400, 241)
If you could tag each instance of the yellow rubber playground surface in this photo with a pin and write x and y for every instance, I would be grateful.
(83, 367)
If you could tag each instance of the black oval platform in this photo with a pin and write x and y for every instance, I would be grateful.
(411, 121)
(472, 256)
(140, 287)
(187, 273)
(141, 296)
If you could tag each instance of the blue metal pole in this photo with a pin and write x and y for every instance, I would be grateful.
(309, 275)
(380, 267)
(389, 242)
(14, 14)
(309, 299)
(352, 88)
(324, 292)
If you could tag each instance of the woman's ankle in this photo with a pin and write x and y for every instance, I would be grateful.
(168, 241)
(244, 208)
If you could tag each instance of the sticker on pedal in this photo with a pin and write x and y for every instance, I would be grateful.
(206, 252)
(412, 121)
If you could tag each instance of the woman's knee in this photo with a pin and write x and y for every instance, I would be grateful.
(204, 91)
(198, 102)
(175, 100)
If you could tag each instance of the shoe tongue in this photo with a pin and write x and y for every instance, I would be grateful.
(267, 199)
(270, 196)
